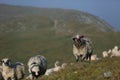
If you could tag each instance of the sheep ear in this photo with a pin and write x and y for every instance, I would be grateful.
(73, 39)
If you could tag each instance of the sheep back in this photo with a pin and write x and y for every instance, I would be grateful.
(39, 60)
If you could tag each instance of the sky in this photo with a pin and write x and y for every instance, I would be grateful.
(109, 10)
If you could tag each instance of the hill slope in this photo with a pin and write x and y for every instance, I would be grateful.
(58, 17)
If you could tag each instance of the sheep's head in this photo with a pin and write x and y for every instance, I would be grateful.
(6, 61)
(77, 40)
(35, 70)
(57, 63)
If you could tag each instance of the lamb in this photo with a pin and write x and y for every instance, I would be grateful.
(82, 47)
(37, 66)
(12, 71)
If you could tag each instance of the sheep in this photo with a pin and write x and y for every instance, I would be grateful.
(12, 71)
(94, 57)
(115, 52)
(109, 51)
(1, 70)
(37, 66)
(49, 71)
(63, 65)
(57, 66)
(82, 47)
(105, 54)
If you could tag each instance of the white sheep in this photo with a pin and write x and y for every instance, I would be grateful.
(49, 71)
(115, 52)
(94, 57)
(105, 54)
(63, 65)
(82, 47)
(12, 71)
(56, 68)
(37, 66)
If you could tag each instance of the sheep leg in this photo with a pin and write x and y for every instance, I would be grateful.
(77, 58)
(90, 54)
(83, 57)
(88, 57)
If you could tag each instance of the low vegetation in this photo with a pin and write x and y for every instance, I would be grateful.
(88, 71)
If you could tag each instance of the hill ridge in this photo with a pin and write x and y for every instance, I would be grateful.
(9, 12)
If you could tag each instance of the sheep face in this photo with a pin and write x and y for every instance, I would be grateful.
(36, 71)
(6, 61)
(78, 41)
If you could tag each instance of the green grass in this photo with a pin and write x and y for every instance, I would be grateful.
(88, 71)
(20, 46)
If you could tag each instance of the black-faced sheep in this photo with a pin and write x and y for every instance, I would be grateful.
(12, 71)
(82, 47)
(37, 66)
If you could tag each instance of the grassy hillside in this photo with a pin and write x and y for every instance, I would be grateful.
(24, 34)
(88, 71)
(62, 16)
